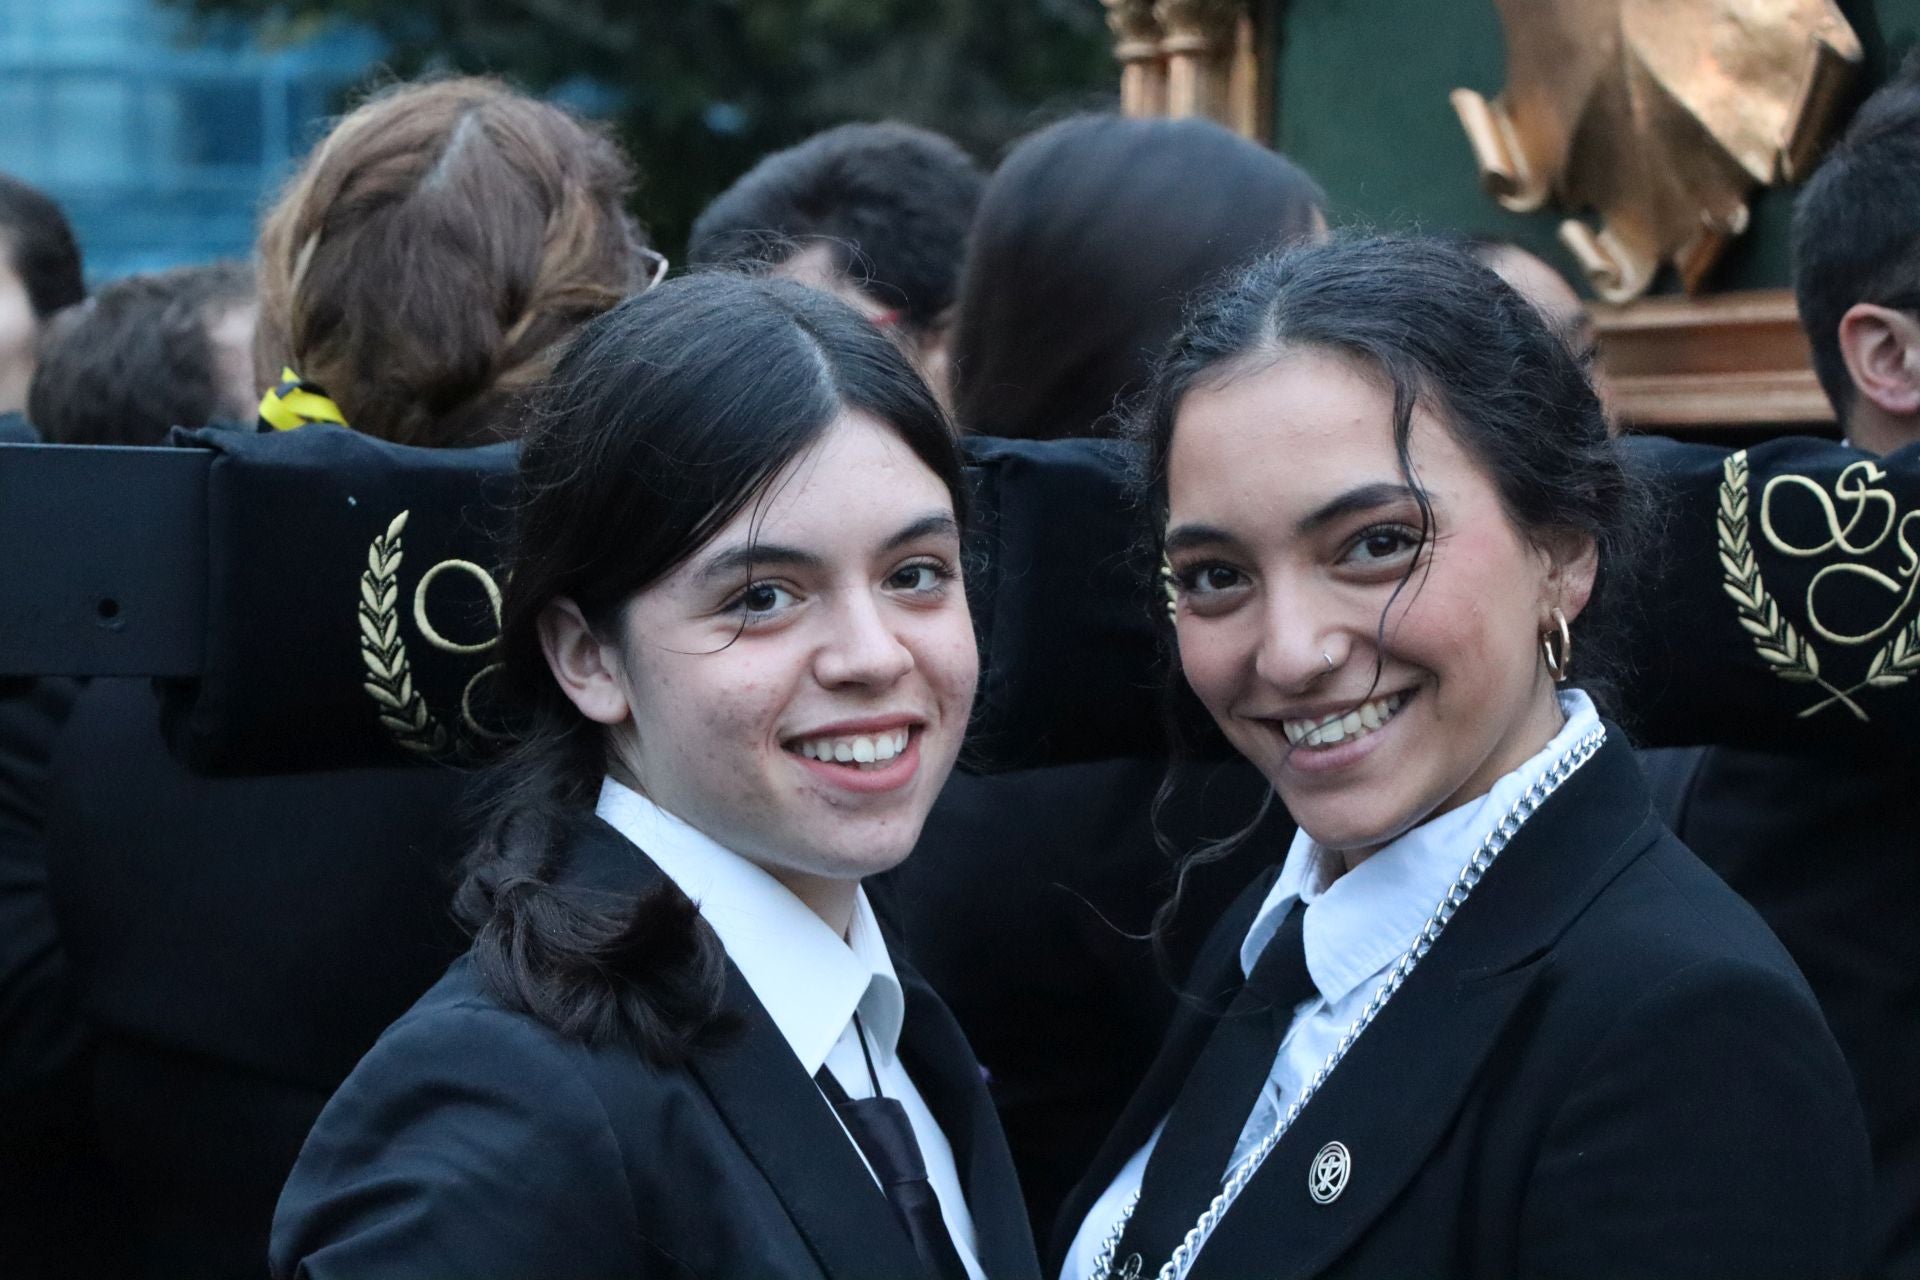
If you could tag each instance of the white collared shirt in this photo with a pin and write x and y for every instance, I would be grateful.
(1356, 926)
(810, 981)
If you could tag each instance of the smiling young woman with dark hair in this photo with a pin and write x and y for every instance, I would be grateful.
(735, 630)
(1487, 1017)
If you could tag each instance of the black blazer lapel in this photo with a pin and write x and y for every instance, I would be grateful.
(1402, 1083)
(938, 1058)
(1215, 979)
(771, 1105)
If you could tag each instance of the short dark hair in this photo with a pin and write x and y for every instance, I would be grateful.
(1090, 240)
(138, 359)
(39, 244)
(1856, 226)
(891, 202)
(668, 416)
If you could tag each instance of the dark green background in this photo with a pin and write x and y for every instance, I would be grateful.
(1361, 95)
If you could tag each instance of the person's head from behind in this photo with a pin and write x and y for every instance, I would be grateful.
(1092, 236)
(1385, 481)
(874, 213)
(434, 253)
(1856, 268)
(39, 277)
(735, 586)
(146, 354)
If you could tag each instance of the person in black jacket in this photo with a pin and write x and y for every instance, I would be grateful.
(735, 634)
(1826, 844)
(238, 943)
(1114, 223)
(1488, 1017)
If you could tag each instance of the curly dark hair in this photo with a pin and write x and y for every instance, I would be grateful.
(139, 359)
(891, 202)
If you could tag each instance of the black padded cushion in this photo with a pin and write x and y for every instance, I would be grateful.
(318, 542)
(348, 618)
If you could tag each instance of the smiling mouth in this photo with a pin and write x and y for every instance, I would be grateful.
(1340, 727)
(867, 751)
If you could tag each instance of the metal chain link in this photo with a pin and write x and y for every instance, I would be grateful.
(1456, 895)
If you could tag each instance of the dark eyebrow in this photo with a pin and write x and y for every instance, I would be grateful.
(1191, 536)
(927, 526)
(1366, 497)
(754, 556)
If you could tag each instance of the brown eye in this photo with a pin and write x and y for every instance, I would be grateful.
(1383, 544)
(762, 598)
(916, 577)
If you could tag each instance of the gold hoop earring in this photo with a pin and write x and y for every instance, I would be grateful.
(1557, 662)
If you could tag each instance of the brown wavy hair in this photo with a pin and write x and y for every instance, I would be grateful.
(428, 260)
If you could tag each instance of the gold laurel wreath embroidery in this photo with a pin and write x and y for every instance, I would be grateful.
(1899, 659)
(1774, 639)
(389, 679)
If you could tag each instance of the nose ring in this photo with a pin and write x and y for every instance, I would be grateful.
(1326, 659)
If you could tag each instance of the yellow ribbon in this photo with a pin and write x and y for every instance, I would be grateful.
(295, 402)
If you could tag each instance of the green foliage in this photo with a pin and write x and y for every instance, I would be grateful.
(699, 89)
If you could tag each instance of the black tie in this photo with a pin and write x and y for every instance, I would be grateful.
(1190, 1160)
(883, 1133)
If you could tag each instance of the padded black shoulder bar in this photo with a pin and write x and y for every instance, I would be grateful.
(104, 571)
(319, 599)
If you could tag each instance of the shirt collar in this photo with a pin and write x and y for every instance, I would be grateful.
(1359, 923)
(809, 981)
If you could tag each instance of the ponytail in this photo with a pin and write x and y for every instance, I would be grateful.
(594, 964)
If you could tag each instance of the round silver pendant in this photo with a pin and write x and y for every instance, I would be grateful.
(1327, 1177)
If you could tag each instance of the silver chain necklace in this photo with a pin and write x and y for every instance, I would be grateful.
(1468, 880)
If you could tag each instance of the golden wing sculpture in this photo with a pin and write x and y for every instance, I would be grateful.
(1660, 116)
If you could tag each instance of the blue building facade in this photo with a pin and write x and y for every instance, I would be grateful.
(161, 135)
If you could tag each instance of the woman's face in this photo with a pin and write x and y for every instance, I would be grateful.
(799, 688)
(19, 332)
(1290, 525)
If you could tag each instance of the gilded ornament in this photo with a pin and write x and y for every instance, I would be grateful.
(1873, 519)
(389, 681)
(1659, 116)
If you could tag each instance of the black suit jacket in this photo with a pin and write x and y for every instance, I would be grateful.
(1605, 1067)
(1029, 903)
(476, 1142)
(236, 945)
(1827, 849)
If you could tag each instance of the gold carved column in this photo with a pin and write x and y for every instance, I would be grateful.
(1192, 58)
(1136, 46)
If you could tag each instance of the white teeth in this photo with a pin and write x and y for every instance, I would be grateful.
(1339, 726)
(860, 750)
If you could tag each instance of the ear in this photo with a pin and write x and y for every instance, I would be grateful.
(1882, 349)
(933, 354)
(586, 668)
(1573, 562)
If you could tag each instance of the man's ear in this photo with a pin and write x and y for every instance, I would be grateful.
(1573, 562)
(586, 668)
(1882, 349)
(933, 354)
